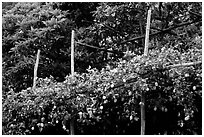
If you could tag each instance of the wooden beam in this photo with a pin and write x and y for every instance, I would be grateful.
(184, 65)
(159, 32)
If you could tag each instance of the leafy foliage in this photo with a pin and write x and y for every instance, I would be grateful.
(47, 26)
(110, 95)
(109, 91)
(31, 26)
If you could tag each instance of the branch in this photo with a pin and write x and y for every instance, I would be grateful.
(170, 32)
(122, 84)
(159, 32)
(113, 29)
(102, 49)
(184, 65)
(196, 14)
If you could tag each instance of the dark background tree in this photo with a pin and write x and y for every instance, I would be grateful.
(31, 26)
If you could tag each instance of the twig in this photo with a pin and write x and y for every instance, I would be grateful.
(110, 28)
(196, 14)
(102, 49)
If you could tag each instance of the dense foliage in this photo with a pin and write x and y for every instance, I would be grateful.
(31, 26)
(27, 27)
(113, 95)
(106, 88)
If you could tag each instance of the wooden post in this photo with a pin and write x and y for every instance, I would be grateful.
(142, 107)
(36, 69)
(72, 126)
(147, 33)
(142, 92)
(72, 53)
(72, 73)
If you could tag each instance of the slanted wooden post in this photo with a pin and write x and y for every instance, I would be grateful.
(72, 73)
(36, 69)
(142, 92)
(147, 32)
